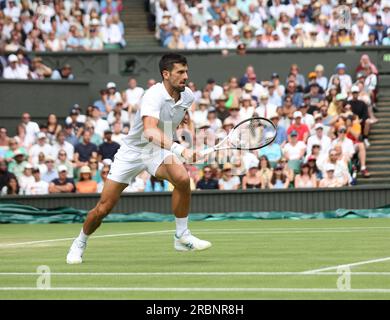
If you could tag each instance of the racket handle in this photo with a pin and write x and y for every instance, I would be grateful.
(206, 152)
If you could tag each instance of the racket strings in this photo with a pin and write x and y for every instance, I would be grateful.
(251, 134)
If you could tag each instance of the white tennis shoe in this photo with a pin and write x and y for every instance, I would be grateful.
(76, 251)
(188, 242)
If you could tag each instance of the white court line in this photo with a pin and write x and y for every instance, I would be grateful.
(6, 245)
(238, 273)
(214, 231)
(360, 263)
(151, 289)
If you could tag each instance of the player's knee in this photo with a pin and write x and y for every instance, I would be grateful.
(103, 208)
(182, 182)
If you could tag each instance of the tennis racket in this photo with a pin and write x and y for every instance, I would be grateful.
(250, 134)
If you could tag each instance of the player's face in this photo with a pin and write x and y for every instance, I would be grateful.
(178, 77)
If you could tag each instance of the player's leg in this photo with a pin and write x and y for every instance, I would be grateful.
(173, 171)
(109, 197)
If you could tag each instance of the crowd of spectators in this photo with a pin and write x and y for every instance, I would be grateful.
(323, 127)
(225, 24)
(60, 25)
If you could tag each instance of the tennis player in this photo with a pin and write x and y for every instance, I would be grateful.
(149, 146)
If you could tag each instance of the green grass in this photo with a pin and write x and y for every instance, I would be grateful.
(238, 246)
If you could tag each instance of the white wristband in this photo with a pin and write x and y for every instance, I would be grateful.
(177, 149)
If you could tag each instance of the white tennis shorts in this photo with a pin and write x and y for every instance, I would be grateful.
(129, 163)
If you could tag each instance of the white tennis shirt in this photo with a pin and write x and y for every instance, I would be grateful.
(157, 103)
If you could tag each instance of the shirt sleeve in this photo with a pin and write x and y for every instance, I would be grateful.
(150, 105)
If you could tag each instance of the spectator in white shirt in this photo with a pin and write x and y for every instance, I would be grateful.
(111, 33)
(118, 114)
(31, 128)
(319, 138)
(361, 30)
(62, 144)
(40, 146)
(117, 134)
(215, 90)
(14, 71)
(345, 79)
(265, 108)
(246, 108)
(25, 178)
(200, 115)
(12, 10)
(132, 97)
(38, 187)
(100, 124)
(294, 150)
(197, 42)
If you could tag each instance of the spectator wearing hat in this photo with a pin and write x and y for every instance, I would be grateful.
(14, 71)
(64, 73)
(227, 180)
(86, 184)
(94, 41)
(200, 114)
(281, 134)
(25, 178)
(41, 146)
(360, 109)
(13, 147)
(265, 108)
(294, 149)
(84, 150)
(300, 128)
(329, 180)
(252, 178)
(113, 95)
(38, 187)
(62, 184)
(197, 42)
(246, 108)
(220, 107)
(51, 172)
(345, 79)
(108, 148)
(39, 70)
(319, 138)
(320, 78)
(234, 115)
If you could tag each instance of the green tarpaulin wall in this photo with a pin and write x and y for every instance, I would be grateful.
(15, 213)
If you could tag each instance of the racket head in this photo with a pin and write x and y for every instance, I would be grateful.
(252, 134)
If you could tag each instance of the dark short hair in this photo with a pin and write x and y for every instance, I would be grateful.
(168, 60)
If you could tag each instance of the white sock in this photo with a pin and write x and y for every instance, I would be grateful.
(181, 225)
(82, 236)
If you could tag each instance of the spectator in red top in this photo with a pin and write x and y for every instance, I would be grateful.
(364, 61)
(302, 129)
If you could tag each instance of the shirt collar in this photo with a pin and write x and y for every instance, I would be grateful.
(168, 97)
